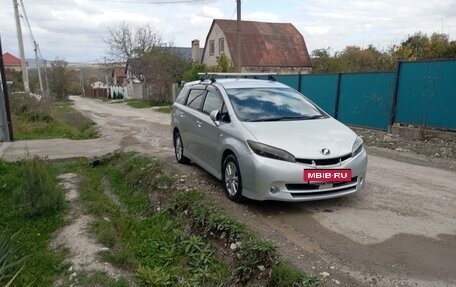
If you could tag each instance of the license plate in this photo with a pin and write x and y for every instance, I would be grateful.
(327, 175)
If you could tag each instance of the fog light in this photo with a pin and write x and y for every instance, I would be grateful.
(361, 181)
(275, 189)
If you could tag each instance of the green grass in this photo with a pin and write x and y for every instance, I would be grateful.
(159, 235)
(152, 245)
(34, 224)
(284, 275)
(33, 119)
(100, 280)
(166, 109)
(170, 238)
(139, 104)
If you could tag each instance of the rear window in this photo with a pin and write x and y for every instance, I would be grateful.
(182, 95)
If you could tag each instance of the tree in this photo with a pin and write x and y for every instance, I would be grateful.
(351, 59)
(61, 79)
(148, 58)
(356, 59)
(126, 42)
(223, 64)
(192, 74)
(323, 62)
(421, 47)
(161, 67)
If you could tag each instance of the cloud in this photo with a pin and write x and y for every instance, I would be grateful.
(212, 12)
(76, 29)
(261, 16)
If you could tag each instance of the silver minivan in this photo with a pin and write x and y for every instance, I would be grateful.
(265, 140)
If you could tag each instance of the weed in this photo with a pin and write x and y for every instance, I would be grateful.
(101, 280)
(40, 119)
(107, 233)
(254, 252)
(139, 104)
(121, 258)
(158, 276)
(43, 265)
(171, 247)
(10, 259)
(207, 215)
(37, 193)
(284, 275)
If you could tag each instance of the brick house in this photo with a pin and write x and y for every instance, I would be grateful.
(266, 47)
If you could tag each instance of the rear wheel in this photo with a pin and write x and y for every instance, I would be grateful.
(179, 149)
(232, 179)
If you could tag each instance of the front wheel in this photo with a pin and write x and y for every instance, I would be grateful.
(232, 179)
(179, 149)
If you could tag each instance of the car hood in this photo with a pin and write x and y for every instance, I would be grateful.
(306, 138)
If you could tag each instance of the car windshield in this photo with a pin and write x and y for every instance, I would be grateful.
(271, 104)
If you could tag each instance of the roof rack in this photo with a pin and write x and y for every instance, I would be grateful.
(213, 75)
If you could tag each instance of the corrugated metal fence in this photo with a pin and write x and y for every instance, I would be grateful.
(419, 93)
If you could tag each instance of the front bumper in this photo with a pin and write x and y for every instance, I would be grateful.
(268, 179)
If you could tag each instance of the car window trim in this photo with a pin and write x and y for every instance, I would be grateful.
(204, 90)
(215, 91)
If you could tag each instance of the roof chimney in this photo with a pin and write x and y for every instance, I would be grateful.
(196, 54)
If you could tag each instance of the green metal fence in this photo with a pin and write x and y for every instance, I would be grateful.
(418, 93)
(426, 94)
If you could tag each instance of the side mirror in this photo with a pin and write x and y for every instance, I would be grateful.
(215, 117)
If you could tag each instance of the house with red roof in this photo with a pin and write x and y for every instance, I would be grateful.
(11, 62)
(265, 47)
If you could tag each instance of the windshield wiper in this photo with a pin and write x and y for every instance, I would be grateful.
(268, 119)
(315, 117)
(286, 118)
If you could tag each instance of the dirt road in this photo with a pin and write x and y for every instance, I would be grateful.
(399, 231)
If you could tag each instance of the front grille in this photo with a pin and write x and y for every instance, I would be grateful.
(314, 194)
(316, 186)
(326, 161)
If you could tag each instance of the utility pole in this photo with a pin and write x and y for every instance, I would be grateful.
(6, 127)
(25, 77)
(38, 66)
(48, 92)
(106, 71)
(238, 30)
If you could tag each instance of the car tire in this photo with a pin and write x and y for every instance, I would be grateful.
(232, 179)
(179, 149)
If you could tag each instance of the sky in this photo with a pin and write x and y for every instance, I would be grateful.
(76, 30)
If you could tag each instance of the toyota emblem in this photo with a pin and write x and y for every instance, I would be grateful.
(325, 151)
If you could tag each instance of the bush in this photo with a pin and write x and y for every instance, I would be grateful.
(37, 194)
(31, 109)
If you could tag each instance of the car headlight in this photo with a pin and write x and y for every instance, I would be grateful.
(270, 152)
(357, 146)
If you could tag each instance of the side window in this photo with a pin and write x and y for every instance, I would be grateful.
(221, 45)
(211, 47)
(213, 102)
(182, 95)
(195, 98)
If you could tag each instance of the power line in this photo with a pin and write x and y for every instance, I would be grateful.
(151, 2)
(27, 22)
